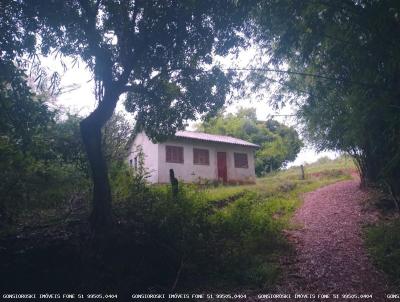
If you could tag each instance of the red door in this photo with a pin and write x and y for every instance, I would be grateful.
(221, 164)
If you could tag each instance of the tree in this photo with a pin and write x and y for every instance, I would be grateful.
(117, 133)
(24, 118)
(68, 142)
(280, 144)
(343, 71)
(39, 153)
(159, 53)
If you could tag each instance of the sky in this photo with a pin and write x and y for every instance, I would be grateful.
(81, 100)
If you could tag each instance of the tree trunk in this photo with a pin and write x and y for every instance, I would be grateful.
(101, 217)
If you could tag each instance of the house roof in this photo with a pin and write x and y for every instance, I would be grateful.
(214, 138)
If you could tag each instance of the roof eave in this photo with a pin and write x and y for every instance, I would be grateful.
(218, 142)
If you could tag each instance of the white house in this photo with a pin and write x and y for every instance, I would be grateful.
(195, 157)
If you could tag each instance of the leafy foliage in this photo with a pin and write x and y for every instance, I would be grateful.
(201, 240)
(278, 143)
(42, 161)
(159, 52)
(34, 170)
(32, 149)
(343, 70)
(117, 133)
(383, 243)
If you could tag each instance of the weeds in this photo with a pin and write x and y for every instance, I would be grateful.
(383, 243)
(227, 236)
(206, 237)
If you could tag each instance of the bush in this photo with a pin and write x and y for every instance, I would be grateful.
(287, 186)
(30, 184)
(246, 238)
(383, 242)
(229, 245)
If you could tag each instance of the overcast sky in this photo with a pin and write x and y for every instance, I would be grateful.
(82, 99)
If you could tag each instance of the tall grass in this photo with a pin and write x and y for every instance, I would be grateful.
(233, 234)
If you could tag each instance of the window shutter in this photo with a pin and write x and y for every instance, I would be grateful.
(201, 157)
(180, 155)
(168, 153)
(174, 154)
(241, 160)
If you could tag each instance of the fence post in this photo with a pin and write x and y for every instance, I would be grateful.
(174, 183)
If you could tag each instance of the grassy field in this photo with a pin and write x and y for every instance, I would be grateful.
(317, 174)
(257, 215)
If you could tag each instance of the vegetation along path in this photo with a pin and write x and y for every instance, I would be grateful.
(330, 257)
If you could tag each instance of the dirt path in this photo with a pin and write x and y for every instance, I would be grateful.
(330, 257)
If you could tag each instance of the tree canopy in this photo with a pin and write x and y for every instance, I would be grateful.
(279, 144)
(160, 53)
(342, 70)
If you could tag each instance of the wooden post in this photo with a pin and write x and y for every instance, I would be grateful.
(174, 183)
(302, 172)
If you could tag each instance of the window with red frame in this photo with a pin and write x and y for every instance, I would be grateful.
(201, 157)
(241, 160)
(174, 154)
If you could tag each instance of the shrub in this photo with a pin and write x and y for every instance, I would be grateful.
(29, 184)
(287, 186)
(231, 245)
(383, 242)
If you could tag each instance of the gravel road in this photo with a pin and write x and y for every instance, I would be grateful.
(329, 254)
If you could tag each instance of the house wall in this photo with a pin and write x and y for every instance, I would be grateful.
(150, 151)
(189, 172)
(247, 175)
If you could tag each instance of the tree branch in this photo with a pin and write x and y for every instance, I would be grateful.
(103, 63)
